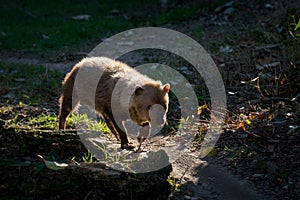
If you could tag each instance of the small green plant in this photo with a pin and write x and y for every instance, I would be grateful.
(44, 121)
(245, 153)
(14, 122)
(174, 182)
(294, 26)
(99, 126)
(226, 148)
(82, 120)
(87, 157)
(78, 120)
(297, 28)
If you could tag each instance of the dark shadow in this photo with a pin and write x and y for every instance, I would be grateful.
(24, 175)
(214, 182)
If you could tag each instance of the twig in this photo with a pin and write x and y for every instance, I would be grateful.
(60, 132)
(271, 99)
(88, 194)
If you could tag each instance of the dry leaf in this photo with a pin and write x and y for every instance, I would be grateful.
(242, 126)
(282, 81)
(200, 108)
(53, 165)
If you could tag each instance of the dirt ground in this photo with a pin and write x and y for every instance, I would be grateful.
(257, 155)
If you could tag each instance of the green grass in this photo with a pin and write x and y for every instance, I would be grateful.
(185, 12)
(45, 121)
(36, 26)
(42, 26)
(82, 119)
(32, 85)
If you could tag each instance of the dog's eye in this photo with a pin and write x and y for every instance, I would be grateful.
(148, 107)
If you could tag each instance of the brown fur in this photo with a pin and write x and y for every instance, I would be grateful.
(120, 94)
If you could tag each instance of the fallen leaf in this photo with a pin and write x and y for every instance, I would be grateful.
(53, 165)
(20, 80)
(248, 121)
(200, 108)
(242, 126)
(282, 81)
(82, 17)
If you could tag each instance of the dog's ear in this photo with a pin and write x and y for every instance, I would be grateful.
(138, 90)
(166, 88)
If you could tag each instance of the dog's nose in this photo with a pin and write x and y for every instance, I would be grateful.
(145, 124)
